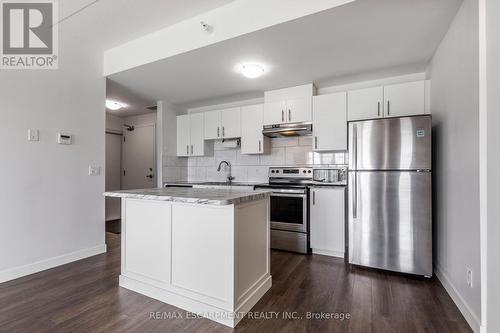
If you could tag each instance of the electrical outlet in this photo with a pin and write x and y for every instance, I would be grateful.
(469, 277)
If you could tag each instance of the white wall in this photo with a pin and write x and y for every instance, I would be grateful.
(454, 72)
(51, 210)
(493, 114)
(114, 123)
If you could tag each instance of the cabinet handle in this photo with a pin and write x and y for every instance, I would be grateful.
(259, 145)
(187, 149)
(289, 115)
(218, 131)
(388, 108)
(314, 198)
(223, 131)
(191, 149)
(315, 142)
(378, 110)
(283, 116)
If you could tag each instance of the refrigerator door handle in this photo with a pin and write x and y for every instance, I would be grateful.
(355, 147)
(355, 198)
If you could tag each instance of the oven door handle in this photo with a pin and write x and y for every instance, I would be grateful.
(293, 195)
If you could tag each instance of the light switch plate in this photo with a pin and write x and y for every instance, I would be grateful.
(94, 170)
(64, 139)
(33, 134)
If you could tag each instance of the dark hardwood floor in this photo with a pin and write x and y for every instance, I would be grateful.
(85, 297)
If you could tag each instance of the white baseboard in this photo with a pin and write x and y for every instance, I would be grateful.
(20, 271)
(329, 253)
(462, 305)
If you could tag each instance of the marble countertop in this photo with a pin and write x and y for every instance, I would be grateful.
(207, 183)
(206, 196)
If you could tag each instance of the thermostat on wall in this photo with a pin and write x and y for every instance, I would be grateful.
(64, 139)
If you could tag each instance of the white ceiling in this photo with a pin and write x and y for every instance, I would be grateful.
(135, 104)
(372, 37)
(108, 23)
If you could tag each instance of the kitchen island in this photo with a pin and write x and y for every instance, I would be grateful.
(203, 250)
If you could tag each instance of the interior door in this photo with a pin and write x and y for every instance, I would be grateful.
(139, 156)
(390, 220)
(113, 174)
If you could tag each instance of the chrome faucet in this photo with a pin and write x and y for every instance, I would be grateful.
(229, 178)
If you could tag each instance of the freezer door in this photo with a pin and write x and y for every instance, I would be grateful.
(390, 221)
(390, 144)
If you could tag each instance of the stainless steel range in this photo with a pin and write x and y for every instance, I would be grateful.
(290, 208)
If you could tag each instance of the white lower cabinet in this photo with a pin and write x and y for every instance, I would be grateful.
(328, 220)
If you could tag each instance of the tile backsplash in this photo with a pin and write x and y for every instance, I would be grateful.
(294, 151)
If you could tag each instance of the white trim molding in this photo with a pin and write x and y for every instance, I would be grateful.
(460, 302)
(20, 271)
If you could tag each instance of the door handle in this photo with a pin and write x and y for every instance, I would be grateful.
(314, 198)
(218, 131)
(289, 115)
(223, 131)
(355, 197)
(315, 142)
(283, 116)
(150, 176)
(378, 109)
(191, 149)
(187, 149)
(259, 145)
(388, 108)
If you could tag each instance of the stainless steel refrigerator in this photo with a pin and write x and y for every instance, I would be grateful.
(390, 194)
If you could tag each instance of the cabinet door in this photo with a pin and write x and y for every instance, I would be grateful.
(230, 121)
(405, 99)
(252, 119)
(212, 125)
(330, 122)
(328, 220)
(299, 110)
(274, 113)
(183, 137)
(365, 103)
(197, 134)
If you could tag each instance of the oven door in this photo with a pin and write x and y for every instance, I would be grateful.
(289, 211)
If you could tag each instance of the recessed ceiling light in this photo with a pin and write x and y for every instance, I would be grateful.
(251, 71)
(114, 105)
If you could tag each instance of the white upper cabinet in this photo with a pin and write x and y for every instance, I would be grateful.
(252, 120)
(212, 125)
(230, 123)
(299, 110)
(288, 105)
(197, 134)
(190, 135)
(222, 124)
(404, 99)
(274, 113)
(328, 220)
(366, 103)
(183, 136)
(330, 122)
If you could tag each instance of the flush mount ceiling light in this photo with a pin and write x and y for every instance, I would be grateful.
(251, 71)
(114, 105)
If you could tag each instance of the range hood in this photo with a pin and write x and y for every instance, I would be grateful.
(286, 130)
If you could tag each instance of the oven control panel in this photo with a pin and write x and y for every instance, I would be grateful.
(290, 172)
